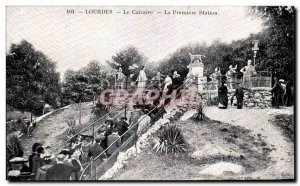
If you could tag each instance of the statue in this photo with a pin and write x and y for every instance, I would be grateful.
(196, 57)
(230, 75)
(248, 72)
(196, 70)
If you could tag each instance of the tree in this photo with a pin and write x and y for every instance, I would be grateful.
(126, 58)
(79, 85)
(76, 87)
(280, 38)
(32, 79)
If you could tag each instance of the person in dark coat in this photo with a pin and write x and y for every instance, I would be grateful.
(60, 171)
(113, 142)
(122, 127)
(289, 94)
(277, 92)
(97, 150)
(37, 161)
(239, 94)
(177, 81)
(34, 146)
(42, 171)
(222, 96)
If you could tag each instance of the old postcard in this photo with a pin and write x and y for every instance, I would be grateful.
(150, 93)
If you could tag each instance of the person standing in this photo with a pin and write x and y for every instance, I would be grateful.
(289, 94)
(120, 79)
(239, 94)
(113, 142)
(168, 88)
(60, 171)
(283, 87)
(277, 93)
(97, 150)
(222, 96)
(37, 161)
(142, 79)
(176, 78)
(34, 146)
(122, 127)
(42, 171)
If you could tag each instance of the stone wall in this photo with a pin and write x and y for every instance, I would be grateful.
(258, 98)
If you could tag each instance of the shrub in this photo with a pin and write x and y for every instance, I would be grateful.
(170, 140)
(13, 147)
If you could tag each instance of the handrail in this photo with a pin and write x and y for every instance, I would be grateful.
(131, 127)
(90, 125)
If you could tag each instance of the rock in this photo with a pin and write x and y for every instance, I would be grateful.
(257, 100)
(257, 95)
(224, 129)
(221, 168)
(250, 105)
(211, 150)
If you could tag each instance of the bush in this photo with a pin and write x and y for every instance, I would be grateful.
(13, 147)
(170, 140)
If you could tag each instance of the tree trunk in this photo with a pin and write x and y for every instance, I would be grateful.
(80, 112)
(30, 117)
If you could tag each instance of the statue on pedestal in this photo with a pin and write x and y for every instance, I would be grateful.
(196, 70)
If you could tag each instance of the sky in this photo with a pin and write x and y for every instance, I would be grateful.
(72, 41)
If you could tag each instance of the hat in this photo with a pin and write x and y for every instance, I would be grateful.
(60, 157)
(281, 80)
(46, 155)
(65, 152)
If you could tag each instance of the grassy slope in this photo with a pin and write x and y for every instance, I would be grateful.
(249, 151)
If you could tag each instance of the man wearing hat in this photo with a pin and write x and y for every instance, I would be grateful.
(42, 171)
(239, 94)
(113, 142)
(60, 171)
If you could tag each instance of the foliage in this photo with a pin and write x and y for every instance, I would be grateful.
(13, 147)
(98, 110)
(126, 58)
(279, 38)
(32, 79)
(79, 85)
(170, 140)
(276, 48)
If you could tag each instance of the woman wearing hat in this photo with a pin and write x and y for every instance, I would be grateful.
(222, 96)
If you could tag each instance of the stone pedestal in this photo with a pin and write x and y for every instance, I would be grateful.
(196, 69)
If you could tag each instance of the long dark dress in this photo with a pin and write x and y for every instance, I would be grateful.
(277, 95)
(289, 94)
(222, 95)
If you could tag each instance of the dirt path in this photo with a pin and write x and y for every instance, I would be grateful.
(259, 122)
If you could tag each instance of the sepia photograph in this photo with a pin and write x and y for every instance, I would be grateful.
(150, 93)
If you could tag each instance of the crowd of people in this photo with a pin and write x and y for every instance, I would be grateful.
(68, 164)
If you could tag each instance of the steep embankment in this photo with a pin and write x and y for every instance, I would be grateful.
(52, 126)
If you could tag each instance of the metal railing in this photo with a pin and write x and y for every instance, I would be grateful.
(92, 125)
(263, 79)
(97, 167)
